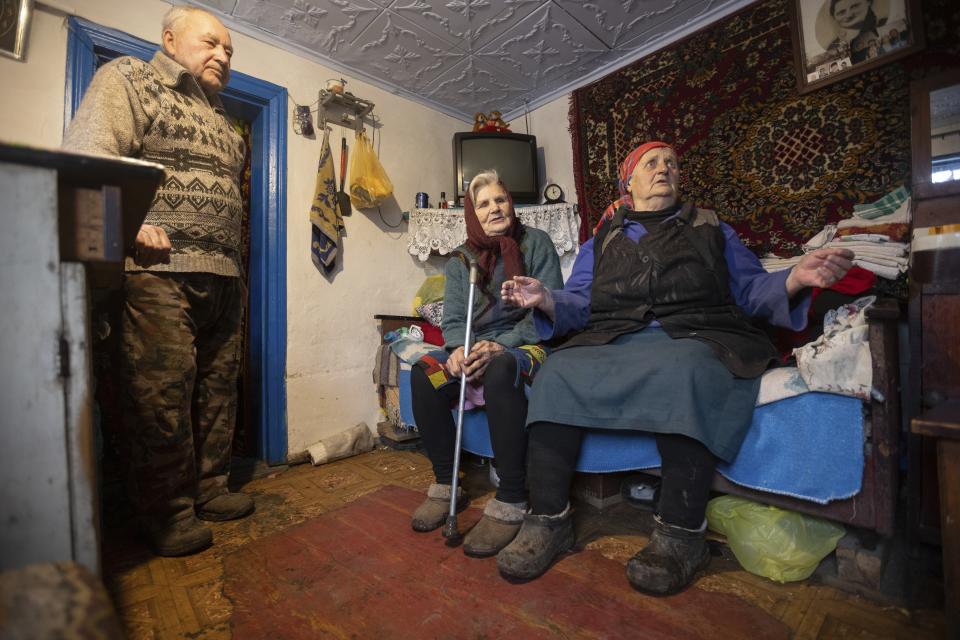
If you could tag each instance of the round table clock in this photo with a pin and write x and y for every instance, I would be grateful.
(552, 194)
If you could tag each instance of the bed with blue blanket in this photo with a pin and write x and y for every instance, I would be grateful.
(828, 455)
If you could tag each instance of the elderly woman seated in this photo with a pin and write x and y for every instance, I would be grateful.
(657, 312)
(503, 359)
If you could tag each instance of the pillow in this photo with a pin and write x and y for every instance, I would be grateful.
(432, 312)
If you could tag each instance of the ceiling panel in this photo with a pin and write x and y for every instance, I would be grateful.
(472, 85)
(323, 27)
(400, 51)
(464, 56)
(467, 24)
(545, 46)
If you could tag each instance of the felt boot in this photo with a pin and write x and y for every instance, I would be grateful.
(226, 506)
(434, 510)
(671, 560)
(181, 538)
(540, 541)
(499, 525)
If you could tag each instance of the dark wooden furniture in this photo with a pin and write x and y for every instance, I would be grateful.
(65, 216)
(874, 507)
(934, 306)
(942, 424)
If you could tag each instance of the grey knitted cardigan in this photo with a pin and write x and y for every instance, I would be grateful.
(157, 111)
(493, 320)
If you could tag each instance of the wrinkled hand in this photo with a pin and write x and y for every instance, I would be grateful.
(476, 363)
(454, 362)
(820, 268)
(527, 293)
(152, 246)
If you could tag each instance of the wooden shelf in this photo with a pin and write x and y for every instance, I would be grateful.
(345, 102)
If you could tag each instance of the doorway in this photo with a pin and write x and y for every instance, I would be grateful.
(264, 106)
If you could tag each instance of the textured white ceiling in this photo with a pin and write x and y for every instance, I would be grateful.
(464, 56)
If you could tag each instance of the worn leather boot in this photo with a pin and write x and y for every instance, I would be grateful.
(540, 541)
(671, 560)
(499, 525)
(434, 510)
(181, 538)
(226, 506)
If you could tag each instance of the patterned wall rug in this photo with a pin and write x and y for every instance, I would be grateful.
(774, 164)
(361, 572)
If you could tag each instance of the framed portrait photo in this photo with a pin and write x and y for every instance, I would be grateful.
(835, 39)
(14, 25)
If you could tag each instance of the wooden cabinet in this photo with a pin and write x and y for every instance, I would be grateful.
(934, 283)
(61, 213)
(934, 379)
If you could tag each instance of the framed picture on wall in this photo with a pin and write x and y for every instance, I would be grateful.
(836, 39)
(14, 23)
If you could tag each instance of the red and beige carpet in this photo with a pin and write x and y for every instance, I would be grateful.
(361, 572)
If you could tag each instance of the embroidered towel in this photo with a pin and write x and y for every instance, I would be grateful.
(325, 215)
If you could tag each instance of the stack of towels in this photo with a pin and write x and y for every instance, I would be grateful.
(878, 233)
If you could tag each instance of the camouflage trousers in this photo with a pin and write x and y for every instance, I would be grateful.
(180, 355)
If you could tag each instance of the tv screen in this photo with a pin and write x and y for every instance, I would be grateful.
(513, 155)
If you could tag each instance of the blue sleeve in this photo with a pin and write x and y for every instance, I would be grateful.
(758, 293)
(572, 303)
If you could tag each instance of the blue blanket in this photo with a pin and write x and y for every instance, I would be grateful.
(809, 446)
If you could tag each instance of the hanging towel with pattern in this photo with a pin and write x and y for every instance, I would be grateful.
(325, 218)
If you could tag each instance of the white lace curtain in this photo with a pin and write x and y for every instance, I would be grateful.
(443, 230)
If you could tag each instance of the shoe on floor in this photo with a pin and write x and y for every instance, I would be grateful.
(181, 538)
(434, 510)
(227, 506)
(540, 541)
(497, 528)
(671, 560)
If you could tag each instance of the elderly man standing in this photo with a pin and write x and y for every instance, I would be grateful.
(183, 292)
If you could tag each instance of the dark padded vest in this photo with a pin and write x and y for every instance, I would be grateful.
(676, 274)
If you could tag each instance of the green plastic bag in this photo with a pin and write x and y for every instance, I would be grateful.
(774, 543)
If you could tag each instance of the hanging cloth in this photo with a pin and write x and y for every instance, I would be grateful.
(325, 215)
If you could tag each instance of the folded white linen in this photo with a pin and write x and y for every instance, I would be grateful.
(902, 214)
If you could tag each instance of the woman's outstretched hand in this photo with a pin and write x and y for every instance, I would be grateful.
(820, 268)
(527, 293)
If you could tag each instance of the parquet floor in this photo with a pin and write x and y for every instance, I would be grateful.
(183, 597)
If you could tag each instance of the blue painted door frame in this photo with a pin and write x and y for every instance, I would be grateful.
(264, 105)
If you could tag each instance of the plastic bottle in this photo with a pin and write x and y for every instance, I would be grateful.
(443, 200)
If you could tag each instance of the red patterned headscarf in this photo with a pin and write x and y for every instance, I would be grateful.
(488, 248)
(626, 170)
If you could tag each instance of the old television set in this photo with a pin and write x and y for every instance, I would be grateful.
(513, 155)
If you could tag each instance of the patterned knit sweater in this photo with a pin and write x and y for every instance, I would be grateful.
(157, 111)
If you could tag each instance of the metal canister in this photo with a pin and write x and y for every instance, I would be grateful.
(423, 200)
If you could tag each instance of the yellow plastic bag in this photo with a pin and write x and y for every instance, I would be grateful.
(369, 184)
(774, 543)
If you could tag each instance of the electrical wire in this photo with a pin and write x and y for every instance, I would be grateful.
(384, 220)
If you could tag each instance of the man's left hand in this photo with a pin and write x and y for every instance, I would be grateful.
(820, 268)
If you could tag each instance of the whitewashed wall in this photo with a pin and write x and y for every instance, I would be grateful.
(330, 327)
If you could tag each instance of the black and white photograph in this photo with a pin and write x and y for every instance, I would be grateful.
(835, 39)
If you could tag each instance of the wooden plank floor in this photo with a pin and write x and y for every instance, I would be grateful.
(183, 597)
